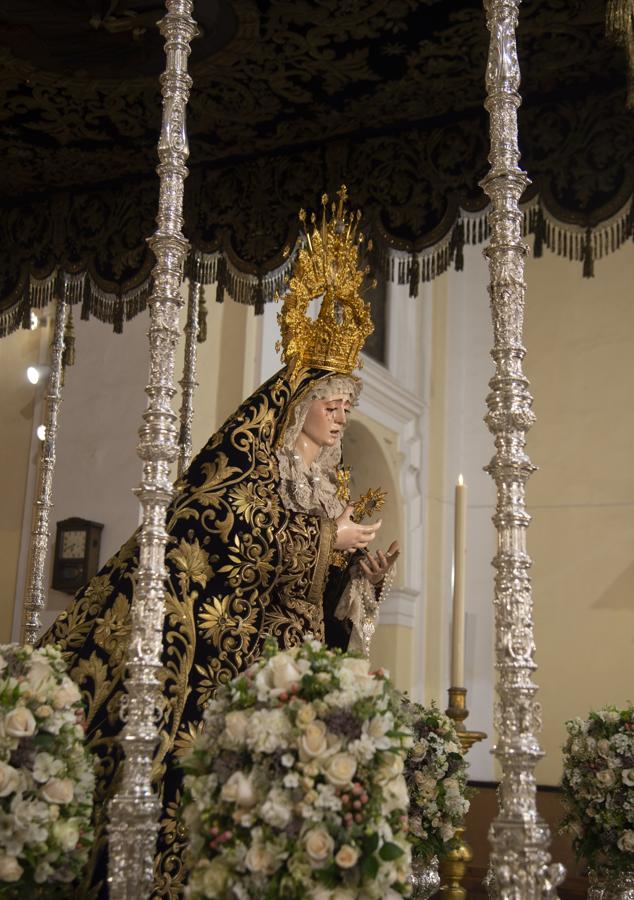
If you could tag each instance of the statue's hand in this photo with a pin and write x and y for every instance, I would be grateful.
(351, 535)
(376, 567)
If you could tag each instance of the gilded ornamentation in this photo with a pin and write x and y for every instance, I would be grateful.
(327, 269)
(520, 863)
(240, 566)
(369, 504)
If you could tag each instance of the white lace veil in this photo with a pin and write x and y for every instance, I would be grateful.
(313, 489)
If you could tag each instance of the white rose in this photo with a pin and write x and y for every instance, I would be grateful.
(391, 766)
(359, 667)
(320, 893)
(58, 790)
(395, 795)
(236, 726)
(9, 779)
(286, 671)
(39, 674)
(20, 722)
(628, 777)
(259, 859)
(305, 715)
(214, 878)
(452, 788)
(426, 784)
(378, 728)
(10, 868)
(319, 846)
(347, 856)
(626, 841)
(420, 748)
(313, 743)
(276, 810)
(66, 694)
(340, 769)
(610, 715)
(239, 789)
(603, 747)
(66, 833)
(45, 766)
(606, 777)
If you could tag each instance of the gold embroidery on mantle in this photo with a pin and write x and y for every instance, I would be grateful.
(240, 567)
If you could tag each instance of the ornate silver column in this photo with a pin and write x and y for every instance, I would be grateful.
(188, 382)
(520, 861)
(35, 596)
(134, 810)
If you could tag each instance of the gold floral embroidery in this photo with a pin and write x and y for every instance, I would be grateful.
(99, 589)
(239, 567)
(192, 561)
(251, 561)
(95, 672)
(113, 629)
(186, 737)
(256, 503)
(214, 618)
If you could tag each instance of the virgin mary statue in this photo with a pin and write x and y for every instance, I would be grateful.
(256, 523)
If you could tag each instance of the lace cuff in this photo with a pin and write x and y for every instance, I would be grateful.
(354, 607)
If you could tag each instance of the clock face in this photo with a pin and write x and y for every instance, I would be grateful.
(73, 545)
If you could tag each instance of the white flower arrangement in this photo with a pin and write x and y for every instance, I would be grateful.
(46, 775)
(436, 775)
(598, 788)
(295, 788)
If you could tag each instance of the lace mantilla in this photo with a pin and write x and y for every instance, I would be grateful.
(313, 489)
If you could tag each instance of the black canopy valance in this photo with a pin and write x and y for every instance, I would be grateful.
(290, 100)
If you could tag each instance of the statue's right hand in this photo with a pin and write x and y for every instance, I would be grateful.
(351, 535)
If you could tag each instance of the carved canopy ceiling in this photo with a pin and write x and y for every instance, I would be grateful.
(289, 98)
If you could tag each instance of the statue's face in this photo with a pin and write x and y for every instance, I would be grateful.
(326, 420)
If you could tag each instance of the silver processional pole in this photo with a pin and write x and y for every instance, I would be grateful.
(35, 597)
(519, 838)
(188, 382)
(135, 808)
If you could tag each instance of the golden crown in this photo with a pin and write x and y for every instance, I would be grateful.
(327, 268)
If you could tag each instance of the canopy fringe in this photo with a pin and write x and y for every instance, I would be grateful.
(576, 243)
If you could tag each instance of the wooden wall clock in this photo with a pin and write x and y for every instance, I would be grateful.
(76, 553)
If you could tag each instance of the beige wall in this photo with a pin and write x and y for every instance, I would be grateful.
(580, 340)
(579, 335)
(17, 351)
(437, 511)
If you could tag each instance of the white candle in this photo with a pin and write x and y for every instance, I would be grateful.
(459, 559)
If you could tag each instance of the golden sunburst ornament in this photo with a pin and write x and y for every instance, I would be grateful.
(327, 269)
